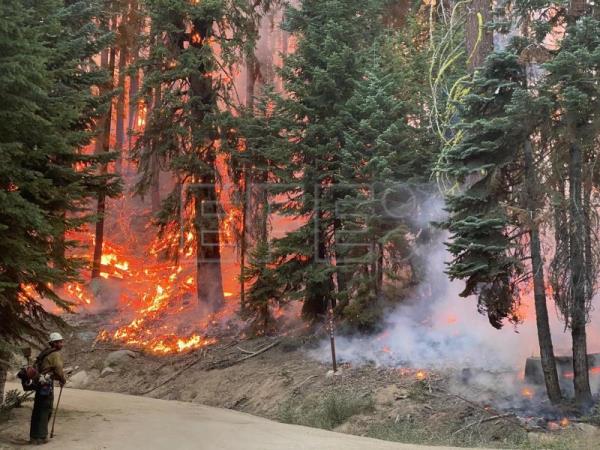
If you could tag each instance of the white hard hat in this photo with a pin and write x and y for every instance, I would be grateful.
(55, 337)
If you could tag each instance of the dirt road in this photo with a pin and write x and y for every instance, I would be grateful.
(96, 420)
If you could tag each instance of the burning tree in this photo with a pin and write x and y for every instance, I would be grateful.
(188, 82)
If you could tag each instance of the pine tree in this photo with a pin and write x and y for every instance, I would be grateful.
(319, 77)
(572, 86)
(388, 156)
(263, 292)
(189, 87)
(47, 108)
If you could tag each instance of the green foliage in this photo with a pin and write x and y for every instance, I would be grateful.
(329, 411)
(484, 242)
(350, 133)
(263, 292)
(47, 107)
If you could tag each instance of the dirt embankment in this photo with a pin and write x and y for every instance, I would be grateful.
(276, 379)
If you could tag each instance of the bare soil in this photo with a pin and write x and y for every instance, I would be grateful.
(283, 383)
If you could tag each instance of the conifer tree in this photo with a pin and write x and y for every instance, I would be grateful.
(319, 77)
(47, 108)
(190, 87)
(573, 88)
(387, 156)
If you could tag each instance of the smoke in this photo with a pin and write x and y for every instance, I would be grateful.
(436, 328)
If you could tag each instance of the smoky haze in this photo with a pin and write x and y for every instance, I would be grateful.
(436, 328)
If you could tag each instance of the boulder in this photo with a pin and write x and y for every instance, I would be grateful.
(79, 380)
(107, 371)
(119, 357)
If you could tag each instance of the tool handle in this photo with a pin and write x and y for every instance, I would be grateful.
(55, 413)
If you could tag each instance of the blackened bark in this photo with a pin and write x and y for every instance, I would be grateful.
(539, 289)
(206, 201)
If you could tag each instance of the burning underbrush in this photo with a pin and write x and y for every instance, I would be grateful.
(151, 298)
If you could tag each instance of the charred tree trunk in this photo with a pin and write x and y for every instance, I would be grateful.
(479, 39)
(583, 395)
(104, 141)
(206, 200)
(539, 288)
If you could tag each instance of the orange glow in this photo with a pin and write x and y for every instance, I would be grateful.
(451, 319)
(527, 393)
(196, 38)
(421, 375)
(564, 422)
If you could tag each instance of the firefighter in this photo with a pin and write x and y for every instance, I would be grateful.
(50, 366)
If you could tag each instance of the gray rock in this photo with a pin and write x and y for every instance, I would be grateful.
(120, 357)
(587, 428)
(107, 371)
(79, 380)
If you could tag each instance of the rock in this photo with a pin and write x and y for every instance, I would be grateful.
(79, 380)
(107, 371)
(119, 357)
(389, 394)
(587, 428)
(87, 336)
(331, 373)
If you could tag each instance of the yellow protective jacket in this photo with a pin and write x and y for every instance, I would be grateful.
(53, 363)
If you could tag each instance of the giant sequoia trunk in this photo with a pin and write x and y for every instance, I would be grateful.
(539, 289)
(103, 145)
(578, 312)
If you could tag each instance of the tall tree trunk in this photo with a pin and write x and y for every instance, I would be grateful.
(134, 82)
(251, 76)
(206, 200)
(104, 140)
(539, 289)
(4, 356)
(155, 163)
(583, 394)
(479, 40)
(120, 126)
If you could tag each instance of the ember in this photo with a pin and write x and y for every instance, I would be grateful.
(421, 375)
(527, 393)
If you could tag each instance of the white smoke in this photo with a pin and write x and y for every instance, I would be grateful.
(436, 328)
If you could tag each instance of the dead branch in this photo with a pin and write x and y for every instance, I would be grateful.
(175, 375)
(496, 414)
(303, 382)
(245, 351)
(258, 352)
(227, 363)
(483, 420)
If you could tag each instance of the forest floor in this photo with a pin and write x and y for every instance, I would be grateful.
(275, 378)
